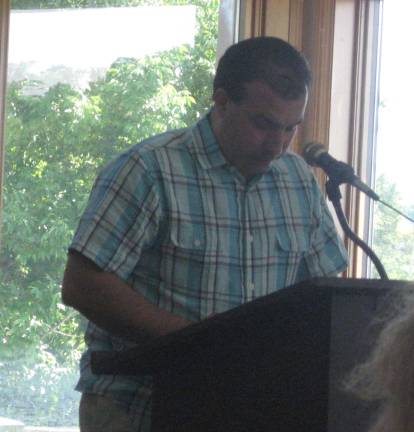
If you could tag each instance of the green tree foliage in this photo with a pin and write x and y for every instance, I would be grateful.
(55, 145)
(393, 239)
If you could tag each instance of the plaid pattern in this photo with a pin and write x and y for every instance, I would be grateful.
(175, 221)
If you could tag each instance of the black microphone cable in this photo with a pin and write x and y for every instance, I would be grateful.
(396, 210)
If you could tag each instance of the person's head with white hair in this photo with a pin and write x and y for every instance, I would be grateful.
(388, 375)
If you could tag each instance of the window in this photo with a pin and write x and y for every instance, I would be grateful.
(84, 83)
(393, 236)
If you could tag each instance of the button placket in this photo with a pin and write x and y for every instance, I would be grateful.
(248, 249)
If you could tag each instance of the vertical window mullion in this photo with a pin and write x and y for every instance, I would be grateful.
(373, 126)
(4, 39)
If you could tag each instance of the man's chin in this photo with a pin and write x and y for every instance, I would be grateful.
(268, 159)
(261, 166)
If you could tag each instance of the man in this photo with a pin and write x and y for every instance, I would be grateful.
(197, 221)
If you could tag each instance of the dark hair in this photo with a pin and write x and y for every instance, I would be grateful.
(267, 59)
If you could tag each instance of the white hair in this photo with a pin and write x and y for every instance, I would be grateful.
(388, 375)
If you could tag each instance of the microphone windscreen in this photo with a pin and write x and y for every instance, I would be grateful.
(311, 152)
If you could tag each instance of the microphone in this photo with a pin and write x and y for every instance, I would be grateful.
(316, 154)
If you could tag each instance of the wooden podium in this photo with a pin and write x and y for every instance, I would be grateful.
(274, 364)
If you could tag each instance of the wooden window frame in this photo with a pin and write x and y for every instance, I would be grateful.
(355, 144)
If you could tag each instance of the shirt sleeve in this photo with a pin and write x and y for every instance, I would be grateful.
(327, 255)
(121, 218)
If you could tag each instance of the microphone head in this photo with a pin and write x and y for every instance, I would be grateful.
(312, 151)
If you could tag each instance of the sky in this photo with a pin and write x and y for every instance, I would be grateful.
(86, 38)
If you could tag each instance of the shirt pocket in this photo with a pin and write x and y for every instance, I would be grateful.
(188, 240)
(184, 269)
(292, 242)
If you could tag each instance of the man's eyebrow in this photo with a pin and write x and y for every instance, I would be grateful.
(276, 123)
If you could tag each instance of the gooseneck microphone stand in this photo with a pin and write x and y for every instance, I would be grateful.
(334, 195)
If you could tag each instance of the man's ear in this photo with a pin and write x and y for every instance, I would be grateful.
(220, 99)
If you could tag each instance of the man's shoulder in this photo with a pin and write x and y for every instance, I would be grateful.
(159, 152)
(149, 157)
(164, 142)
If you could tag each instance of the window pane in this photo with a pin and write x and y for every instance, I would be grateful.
(83, 84)
(393, 238)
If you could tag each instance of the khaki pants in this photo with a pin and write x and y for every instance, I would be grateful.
(103, 414)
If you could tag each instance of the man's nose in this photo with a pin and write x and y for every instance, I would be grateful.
(278, 136)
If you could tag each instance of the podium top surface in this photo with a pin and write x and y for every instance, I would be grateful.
(285, 303)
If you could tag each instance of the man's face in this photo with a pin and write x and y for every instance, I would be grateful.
(255, 131)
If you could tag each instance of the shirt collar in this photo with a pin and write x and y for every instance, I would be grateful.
(208, 151)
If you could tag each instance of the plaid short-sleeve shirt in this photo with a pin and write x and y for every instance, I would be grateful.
(181, 226)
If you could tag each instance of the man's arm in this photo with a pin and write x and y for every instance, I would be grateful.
(113, 305)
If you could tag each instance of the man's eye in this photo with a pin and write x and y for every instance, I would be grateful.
(262, 123)
(265, 124)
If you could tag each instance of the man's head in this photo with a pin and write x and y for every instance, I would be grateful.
(268, 59)
(260, 94)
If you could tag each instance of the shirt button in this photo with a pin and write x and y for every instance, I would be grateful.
(197, 243)
(249, 238)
